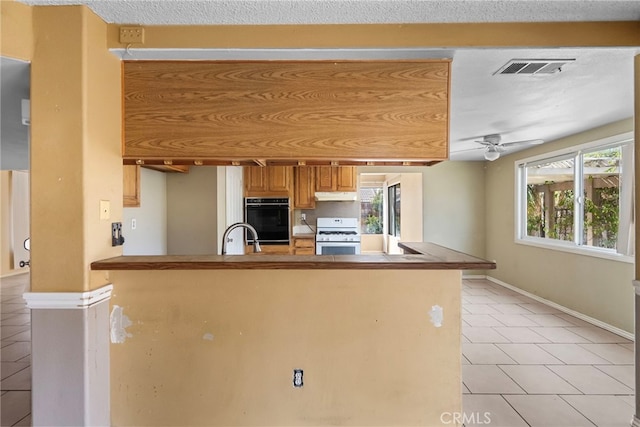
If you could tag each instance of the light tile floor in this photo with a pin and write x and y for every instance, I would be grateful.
(525, 364)
(528, 364)
(15, 352)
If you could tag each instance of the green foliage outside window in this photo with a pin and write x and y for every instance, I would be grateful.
(373, 222)
(601, 219)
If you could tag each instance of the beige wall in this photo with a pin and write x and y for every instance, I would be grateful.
(16, 31)
(372, 243)
(454, 210)
(524, 34)
(411, 221)
(75, 148)
(597, 287)
(219, 347)
(192, 215)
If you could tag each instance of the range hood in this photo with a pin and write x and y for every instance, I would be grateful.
(336, 196)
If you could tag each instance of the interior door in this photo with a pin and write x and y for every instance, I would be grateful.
(234, 209)
(19, 216)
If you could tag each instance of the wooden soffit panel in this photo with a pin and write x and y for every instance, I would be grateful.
(279, 111)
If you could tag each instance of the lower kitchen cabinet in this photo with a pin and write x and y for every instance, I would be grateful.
(269, 249)
(304, 245)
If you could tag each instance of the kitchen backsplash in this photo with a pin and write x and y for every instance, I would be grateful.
(328, 210)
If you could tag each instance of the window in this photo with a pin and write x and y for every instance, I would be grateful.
(371, 209)
(394, 210)
(579, 199)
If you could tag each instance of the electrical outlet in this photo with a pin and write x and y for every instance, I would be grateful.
(131, 35)
(297, 378)
(134, 224)
(303, 216)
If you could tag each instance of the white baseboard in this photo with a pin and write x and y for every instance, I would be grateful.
(474, 276)
(559, 307)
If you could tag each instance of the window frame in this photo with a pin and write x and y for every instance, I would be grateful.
(576, 154)
(391, 209)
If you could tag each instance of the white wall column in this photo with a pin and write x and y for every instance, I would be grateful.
(70, 351)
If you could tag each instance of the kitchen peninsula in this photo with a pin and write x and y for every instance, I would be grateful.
(215, 340)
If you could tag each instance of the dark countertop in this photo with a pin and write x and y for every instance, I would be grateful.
(445, 254)
(430, 257)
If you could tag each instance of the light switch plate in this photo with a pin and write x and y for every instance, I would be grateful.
(105, 209)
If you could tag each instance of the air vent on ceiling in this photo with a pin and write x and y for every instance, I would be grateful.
(533, 66)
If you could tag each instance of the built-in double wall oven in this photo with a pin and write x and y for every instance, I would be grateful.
(270, 217)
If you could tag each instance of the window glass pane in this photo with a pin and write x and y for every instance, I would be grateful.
(550, 199)
(602, 175)
(371, 210)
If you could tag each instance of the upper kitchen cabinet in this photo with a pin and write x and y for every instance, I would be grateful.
(347, 179)
(317, 112)
(267, 181)
(304, 187)
(336, 178)
(131, 186)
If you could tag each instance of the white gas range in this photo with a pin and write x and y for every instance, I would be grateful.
(338, 236)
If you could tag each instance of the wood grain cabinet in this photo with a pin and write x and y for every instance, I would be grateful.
(336, 178)
(347, 179)
(267, 181)
(304, 187)
(346, 110)
(269, 249)
(131, 186)
(304, 245)
(278, 179)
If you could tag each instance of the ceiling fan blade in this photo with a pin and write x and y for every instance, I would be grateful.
(466, 150)
(527, 142)
(471, 138)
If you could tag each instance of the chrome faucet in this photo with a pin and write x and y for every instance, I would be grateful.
(226, 239)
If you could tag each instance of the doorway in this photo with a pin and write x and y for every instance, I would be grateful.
(390, 211)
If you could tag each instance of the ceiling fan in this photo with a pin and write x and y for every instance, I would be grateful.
(493, 147)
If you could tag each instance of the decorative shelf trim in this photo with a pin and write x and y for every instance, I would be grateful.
(67, 300)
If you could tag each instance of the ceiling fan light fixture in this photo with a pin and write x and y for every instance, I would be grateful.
(491, 154)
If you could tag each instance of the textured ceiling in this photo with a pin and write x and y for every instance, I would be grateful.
(232, 12)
